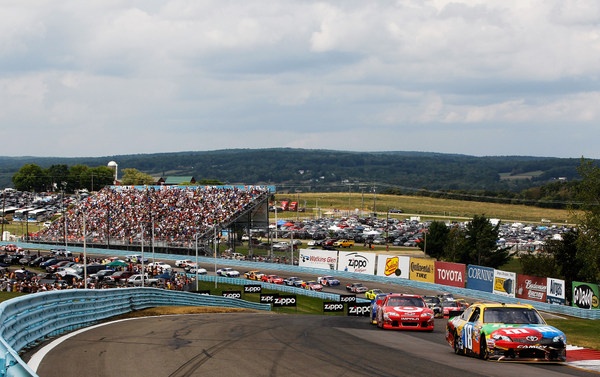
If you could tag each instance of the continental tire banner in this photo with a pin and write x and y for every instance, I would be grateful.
(504, 283)
(393, 266)
(422, 269)
(480, 278)
(362, 263)
(532, 288)
(585, 295)
(452, 274)
(555, 293)
(325, 259)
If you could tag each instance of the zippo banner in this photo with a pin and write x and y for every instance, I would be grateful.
(393, 266)
(480, 278)
(325, 259)
(363, 263)
(452, 274)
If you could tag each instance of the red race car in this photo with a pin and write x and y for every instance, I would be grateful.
(405, 312)
(274, 279)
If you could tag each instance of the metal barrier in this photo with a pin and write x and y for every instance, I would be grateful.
(27, 320)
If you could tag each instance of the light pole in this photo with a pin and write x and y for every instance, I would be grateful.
(196, 237)
(215, 253)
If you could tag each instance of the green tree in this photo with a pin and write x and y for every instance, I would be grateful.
(57, 177)
(135, 177)
(588, 221)
(30, 177)
(99, 177)
(482, 248)
(435, 239)
(456, 247)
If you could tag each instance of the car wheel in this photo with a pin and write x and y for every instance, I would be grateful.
(484, 352)
(457, 344)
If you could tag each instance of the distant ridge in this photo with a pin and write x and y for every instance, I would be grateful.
(332, 170)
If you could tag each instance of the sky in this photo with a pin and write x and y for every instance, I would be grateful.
(484, 78)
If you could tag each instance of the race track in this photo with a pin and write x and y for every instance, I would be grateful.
(267, 344)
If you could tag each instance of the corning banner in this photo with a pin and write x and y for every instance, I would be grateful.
(325, 259)
(480, 278)
(532, 287)
(422, 269)
(585, 295)
(452, 274)
(362, 263)
(556, 291)
(393, 266)
(504, 283)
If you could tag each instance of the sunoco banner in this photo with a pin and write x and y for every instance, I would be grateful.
(393, 266)
(363, 263)
(422, 269)
(585, 295)
(480, 278)
(532, 288)
(555, 293)
(325, 259)
(504, 283)
(452, 274)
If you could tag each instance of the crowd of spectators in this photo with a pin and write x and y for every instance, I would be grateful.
(127, 214)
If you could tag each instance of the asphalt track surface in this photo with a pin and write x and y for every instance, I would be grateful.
(268, 344)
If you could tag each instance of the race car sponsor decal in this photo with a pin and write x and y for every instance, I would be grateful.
(347, 298)
(422, 269)
(357, 262)
(452, 274)
(480, 278)
(393, 266)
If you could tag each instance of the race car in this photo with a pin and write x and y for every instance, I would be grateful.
(356, 287)
(293, 281)
(372, 293)
(228, 272)
(405, 312)
(450, 306)
(505, 332)
(375, 304)
(274, 279)
(312, 285)
(328, 281)
(435, 304)
(253, 275)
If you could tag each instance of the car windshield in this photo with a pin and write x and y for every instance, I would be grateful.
(405, 301)
(512, 315)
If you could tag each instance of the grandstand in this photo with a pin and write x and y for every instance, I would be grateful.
(171, 218)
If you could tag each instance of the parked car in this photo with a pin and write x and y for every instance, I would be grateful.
(120, 276)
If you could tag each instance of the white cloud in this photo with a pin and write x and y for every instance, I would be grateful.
(444, 76)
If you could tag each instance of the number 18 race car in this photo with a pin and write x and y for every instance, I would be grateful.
(505, 332)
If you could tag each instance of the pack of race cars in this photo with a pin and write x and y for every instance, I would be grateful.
(490, 331)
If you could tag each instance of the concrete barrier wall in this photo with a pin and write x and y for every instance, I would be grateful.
(29, 319)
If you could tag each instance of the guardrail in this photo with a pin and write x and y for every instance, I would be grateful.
(27, 320)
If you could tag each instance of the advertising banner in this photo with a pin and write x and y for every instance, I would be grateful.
(585, 295)
(555, 293)
(362, 263)
(504, 283)
(452, 274)
(532, 288)
(422, 269)
(393, 266)
(325, 259)
(480, 278)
